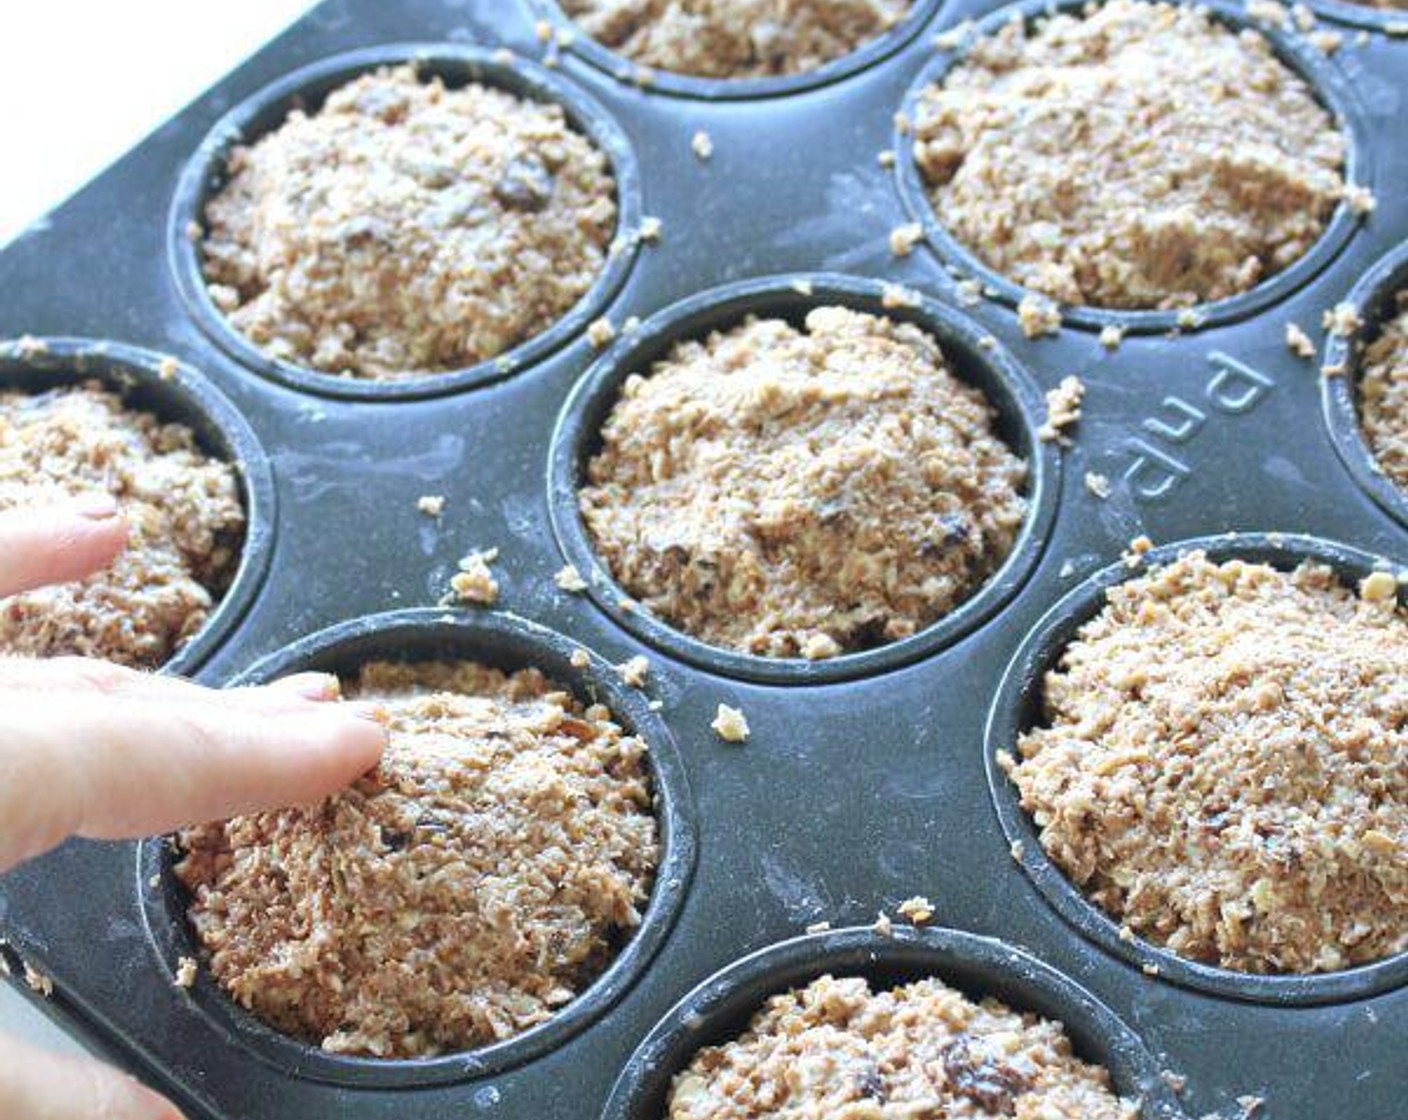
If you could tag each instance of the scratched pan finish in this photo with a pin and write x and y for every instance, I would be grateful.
(851, 794)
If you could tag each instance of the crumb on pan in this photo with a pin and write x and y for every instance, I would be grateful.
(1223, 765)
(1135, 155)
(432, 505)
(916, 910)
(1038, 316)
(634, 671)
(730, 725)
(600, 332)
(1111, 336)
(185, 517)
(1062, 409)
(702, 144)
(771, 483)
(468, 889)
(405, 228)
(1098, 484)
(735, 38)
(186, 971)
(38, 981)
(837, 1048)
(904, 238)
(1298, 342)
(474, 583)
(1342, 320)
(569, 579)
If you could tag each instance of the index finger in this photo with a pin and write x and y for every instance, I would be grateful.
(57, 544)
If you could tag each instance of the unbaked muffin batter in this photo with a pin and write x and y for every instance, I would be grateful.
(835, 1050)
(1383, 396)
(1140, 156)
(406, 228)
(464, 892)
(1224, 765)
(735, 38)
(185, 517)
(803, 491)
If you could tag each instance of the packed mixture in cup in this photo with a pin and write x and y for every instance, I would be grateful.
(1223, 766)
(1138, 155)
(465, 891)
(1383, 396)
(185, 519)
(837, 1049)
(735, 38)
(803, 491)
(405, 228)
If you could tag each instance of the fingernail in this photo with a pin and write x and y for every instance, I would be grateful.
(313, 686)
(98, 505)
(368, 710)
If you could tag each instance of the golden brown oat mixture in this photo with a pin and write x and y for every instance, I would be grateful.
(465, 891)
(1383, 396)
(835, 1050)
(1140, 156)
(407, 229)
(735, 38)
(1225, 766)
(185, 516)
(791, 492)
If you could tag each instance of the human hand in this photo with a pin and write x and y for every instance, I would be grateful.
(96, 750)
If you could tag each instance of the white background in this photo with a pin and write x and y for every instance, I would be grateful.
(81, 82)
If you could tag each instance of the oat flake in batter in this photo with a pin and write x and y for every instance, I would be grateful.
(465, 891)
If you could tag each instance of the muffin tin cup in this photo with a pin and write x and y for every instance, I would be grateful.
(720, 1008)
(180, 395)
(1373, 298)
(502, 641)
(581, 45)
(1324, 79)
(307, 88)
(1008, 388)
(1017, 707)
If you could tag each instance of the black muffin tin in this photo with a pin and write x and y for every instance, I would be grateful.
(866, 780)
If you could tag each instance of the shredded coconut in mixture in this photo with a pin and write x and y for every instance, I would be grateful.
(1224, 768)
(1139, 156)
(735, 38)
(406, 228)
(1383, 396)
(185, 517)
(802, 492)
(465, 891)
(835, 1050)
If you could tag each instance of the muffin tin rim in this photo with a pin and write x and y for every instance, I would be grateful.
(595, 392)
(479, 636)
(1360, 16)
(740, 989)
(123, 368)
(1339, 395)
(671, 83)
(1327, 84)
(494, 66)
(1020, 688)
